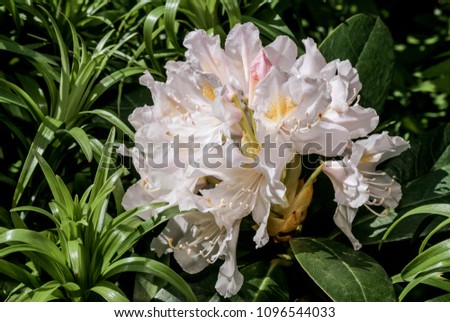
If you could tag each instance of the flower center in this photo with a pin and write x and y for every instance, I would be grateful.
(280, 107)
(206, 241)
(208, 92)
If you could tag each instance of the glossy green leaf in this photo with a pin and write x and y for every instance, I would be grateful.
(57, 186)
(145, 227)
(263, 282)
(150, 33)
(29, 238)
(149, 266)
(107, 82)
(271, 26)
(233, 11)
(76, 261)
(435, 257)
(44, 137)
(109, 291)
(82, 139)
(37, 210)
(28, 102)
(367, 43)
(429, 278)
(341, 272)
(47, 292)
(439, 209)
(114, 120)
(170, 23)
(104, 167)
(18, 273)
(12, 8)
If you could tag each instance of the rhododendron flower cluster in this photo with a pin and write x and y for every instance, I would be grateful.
(221, 140)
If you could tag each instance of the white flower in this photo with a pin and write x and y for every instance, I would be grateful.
(245, 187)
(291, 109)
(357, 182)
(343, 86)
(233, 64)
(197, 241)
(222, 129)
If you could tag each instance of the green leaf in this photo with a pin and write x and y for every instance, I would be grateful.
(76, 260)
(109, 292)
(109, 81)
(31, 105)
(170, 23)
(18, 273)
(441, 298)
(113, 119)
(44, 137)
(429, 278)
(37, 210)
(145, 227)
(435, 257)
(30, 242)
(367, 43)
(276, 27)
(263, 282)
(59, 190)
(150, 34)
(30, 238)
(233, 11)
(149, 266)
(342, 273)
(439, 209)
(83, 141)
(104, 166)
(47, 292)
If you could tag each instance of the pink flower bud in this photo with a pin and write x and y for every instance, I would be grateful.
(260, 66)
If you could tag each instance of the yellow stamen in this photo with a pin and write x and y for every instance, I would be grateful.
(208, 92)
(280, 107)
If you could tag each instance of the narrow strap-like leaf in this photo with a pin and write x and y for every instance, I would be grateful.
(150, 266)
(44, 137)
(109, 292)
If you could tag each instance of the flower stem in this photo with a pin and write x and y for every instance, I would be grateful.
(313, 176)
(244, 123)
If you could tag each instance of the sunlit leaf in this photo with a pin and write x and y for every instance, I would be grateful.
(83, 141)
(114, 120)
(44, 137)
(149, 266)
(341, 272)
(109, 291)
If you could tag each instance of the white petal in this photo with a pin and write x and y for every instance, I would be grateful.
(260, 215)
(324, 138)
(312, 62)
(377, 148)
(343, 217)
(230, 280)
(141, 116)
(205, 51)
(349, 185)
(241, 47)
(137, 196)
(282, 52)
(357, 120)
